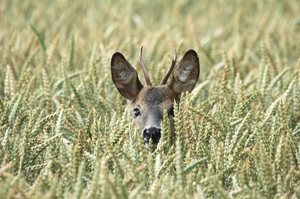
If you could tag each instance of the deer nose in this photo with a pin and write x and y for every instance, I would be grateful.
(151, 133)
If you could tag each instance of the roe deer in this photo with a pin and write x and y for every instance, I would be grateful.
(149, 102)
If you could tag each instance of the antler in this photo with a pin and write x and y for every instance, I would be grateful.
(146, 74)
(169, 71)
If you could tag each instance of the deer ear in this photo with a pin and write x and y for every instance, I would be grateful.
(186, 74)
(125, 77)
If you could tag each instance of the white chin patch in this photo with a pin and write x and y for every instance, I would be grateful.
(146, 145)
(150, 146)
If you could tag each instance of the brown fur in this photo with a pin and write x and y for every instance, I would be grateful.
(152, 101)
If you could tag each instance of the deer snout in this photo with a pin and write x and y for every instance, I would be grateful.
(151, 133)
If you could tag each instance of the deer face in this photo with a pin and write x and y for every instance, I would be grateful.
(148, 110)
(149, 102)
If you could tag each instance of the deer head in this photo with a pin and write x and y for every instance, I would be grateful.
(149, 102)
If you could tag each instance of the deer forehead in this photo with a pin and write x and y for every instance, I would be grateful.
(161, 96)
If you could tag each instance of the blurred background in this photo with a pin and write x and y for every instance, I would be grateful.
(76, 33)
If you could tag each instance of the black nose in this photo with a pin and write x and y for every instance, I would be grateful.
(151, 133)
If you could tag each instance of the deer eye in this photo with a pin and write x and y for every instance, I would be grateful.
(171, 112)
(136, 112)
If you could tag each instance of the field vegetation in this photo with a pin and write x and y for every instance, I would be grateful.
(65, 132)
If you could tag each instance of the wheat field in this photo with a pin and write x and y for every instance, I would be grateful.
(65, 132)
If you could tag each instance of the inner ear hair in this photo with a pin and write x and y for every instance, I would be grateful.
(125, 77)
(186, 74)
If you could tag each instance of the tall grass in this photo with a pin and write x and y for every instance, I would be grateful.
(66, 133)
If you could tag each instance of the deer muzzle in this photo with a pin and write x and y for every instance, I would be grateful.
(152, 134)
